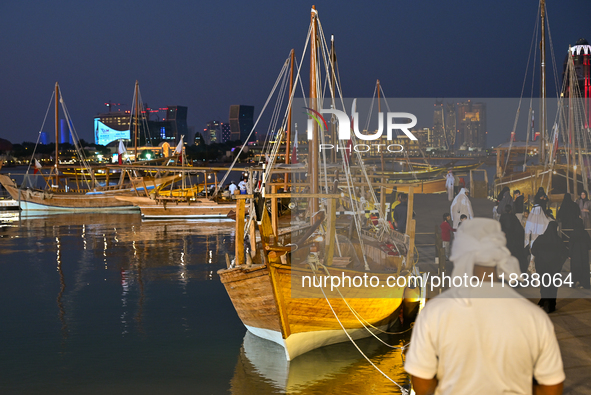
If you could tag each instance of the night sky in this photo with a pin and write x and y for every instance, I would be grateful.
(209, 55)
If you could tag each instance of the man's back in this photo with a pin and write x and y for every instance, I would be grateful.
(493, 342)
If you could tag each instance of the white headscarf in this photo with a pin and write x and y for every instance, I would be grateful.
(480, 241)
(461, 205)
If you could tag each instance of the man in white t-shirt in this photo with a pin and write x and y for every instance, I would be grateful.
(242, 186)
(483, 339)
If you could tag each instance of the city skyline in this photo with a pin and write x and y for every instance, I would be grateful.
(96, 52)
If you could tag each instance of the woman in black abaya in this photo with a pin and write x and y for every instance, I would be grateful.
(515, 236)
(568, 214)
(550, 253)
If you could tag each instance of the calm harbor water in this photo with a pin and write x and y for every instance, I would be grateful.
(95, 304)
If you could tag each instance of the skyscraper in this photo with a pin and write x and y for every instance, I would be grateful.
(438, 138)
(226, 132)
(176, 116)
(471, 123)
(213, 132)
(241, 122)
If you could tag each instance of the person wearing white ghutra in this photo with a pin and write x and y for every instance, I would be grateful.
(484, 339)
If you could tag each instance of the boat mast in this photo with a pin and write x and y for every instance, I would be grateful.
(543, 83)
(288, 132)
(383, 180)
(333, 78)
(313, 169)
(57, 94)
(137, 105)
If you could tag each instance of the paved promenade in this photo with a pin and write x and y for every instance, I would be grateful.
(572, 319)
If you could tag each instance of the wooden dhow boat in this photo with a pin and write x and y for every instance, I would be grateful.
(182, 199)
(561, 154)
(282, 279)
(83, 193)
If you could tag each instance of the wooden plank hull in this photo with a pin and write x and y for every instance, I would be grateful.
(262, 297)
(427, 186)
(151, 209)
(42, 201)
(554, 182)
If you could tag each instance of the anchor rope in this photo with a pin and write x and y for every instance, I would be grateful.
(360, 318)
(403, 390)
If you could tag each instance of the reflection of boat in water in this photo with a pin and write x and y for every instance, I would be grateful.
(262, 368)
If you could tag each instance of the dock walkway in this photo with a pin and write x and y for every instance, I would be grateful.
(572, 319)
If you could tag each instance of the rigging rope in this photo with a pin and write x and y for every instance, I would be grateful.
(514, 131)
(39, 136)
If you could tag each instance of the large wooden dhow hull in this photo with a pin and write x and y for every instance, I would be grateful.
(554, 182)
(204, 209)
(47, 202)
(262, 297)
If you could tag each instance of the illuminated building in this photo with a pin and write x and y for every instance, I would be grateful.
(113, 126)
(213, 132)
(471, 125)
(581, 54)
(226, 132)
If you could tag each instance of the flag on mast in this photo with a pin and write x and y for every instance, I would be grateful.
(179, 149)
(120, 151)
(37, 166)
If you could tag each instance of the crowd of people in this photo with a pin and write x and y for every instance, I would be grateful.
(542, 242)
(485, 340)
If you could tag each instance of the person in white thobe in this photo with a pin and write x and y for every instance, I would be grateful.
(449, 185)
(461, 205)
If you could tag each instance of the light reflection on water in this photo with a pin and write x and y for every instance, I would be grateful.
(97, 303)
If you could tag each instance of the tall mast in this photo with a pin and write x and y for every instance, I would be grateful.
(313, 169)
(137, 111)
(383, 180)
(543, 83)
(333, 77)
(288, 132)
(57, 95)
(379, 111)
